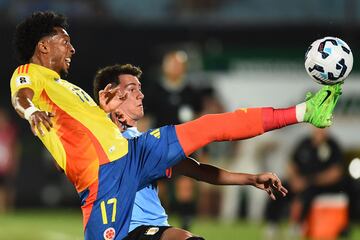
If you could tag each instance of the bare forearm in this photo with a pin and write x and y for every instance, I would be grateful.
(268, 182)
(212, 174)
(22, 100)
(218, 176)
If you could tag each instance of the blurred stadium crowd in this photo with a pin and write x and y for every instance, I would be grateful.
(185, 11)
(230, 53)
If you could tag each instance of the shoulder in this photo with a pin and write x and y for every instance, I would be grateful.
(23, 73)
(305, 142)
(22, 69)
(28, 76)
(334, 143)
(21, 76)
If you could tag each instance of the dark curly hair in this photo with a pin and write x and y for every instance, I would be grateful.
(29, 32)
(110, 74)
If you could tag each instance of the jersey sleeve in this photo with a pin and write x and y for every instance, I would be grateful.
(25, 77)
(154, 152)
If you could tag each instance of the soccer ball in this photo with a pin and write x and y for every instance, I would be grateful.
(328, 60)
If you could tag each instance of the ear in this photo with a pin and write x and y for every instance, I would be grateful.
(121, 116)
(113, 117)
(43, 46)
(117, 119)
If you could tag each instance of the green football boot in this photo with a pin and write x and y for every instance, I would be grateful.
(319, 107)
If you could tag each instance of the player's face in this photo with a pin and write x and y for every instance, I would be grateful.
(174, 65)
(131, 109)
(319, 135)
(60, 51)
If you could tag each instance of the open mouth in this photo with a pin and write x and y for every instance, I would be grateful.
(67, 61)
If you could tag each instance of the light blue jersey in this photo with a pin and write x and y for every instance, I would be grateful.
(147, 206)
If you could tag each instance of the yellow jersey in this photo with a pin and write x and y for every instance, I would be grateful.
(82, 137)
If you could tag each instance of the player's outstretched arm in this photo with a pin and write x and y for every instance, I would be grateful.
(22, 102)
(268, 182)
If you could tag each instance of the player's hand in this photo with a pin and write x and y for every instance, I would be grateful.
(39, 118)
(270, 183)
(111, 98)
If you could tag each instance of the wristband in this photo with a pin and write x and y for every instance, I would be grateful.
(29, 111)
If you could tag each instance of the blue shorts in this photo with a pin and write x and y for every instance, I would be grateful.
(109, 201)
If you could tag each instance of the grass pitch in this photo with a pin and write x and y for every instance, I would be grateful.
(67, 225)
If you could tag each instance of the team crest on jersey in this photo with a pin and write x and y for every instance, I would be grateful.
(152, 231)
(111, 149)
(156, 133)
(109, 234)
(22, 80)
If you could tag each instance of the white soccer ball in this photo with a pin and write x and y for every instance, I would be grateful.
(328, 60)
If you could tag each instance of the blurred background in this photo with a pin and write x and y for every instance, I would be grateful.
(230, 53)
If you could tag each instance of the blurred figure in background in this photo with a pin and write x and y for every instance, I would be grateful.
(316, 169)
(9, 153)
(174, 101)
(244, 202)
(217, 153)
